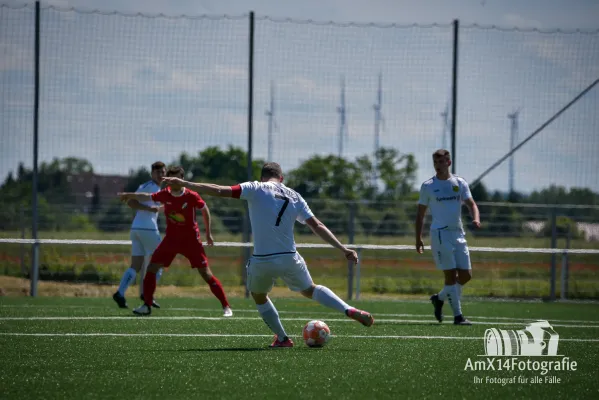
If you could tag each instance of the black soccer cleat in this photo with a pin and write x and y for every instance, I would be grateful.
(438, 305)
(460, 320)
(120, 300)
(154, 304)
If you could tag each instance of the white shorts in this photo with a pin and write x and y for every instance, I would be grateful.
(291, 268)
(144, 242)
(450, 249)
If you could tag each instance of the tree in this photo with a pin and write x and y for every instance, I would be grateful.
(136, 178)
(54, 191)
(334, 177)
(328, 177)
(480, 193)
(215, 165)
(397, 171)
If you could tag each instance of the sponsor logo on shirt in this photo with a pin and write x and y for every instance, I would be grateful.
(176, 217)
(448, 198)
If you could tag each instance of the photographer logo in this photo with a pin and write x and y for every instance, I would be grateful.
(532, 349)
(537, 339)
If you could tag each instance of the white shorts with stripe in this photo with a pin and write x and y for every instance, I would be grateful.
(290, 267)
(450, 249)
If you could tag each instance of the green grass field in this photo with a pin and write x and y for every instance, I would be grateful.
(81, 348)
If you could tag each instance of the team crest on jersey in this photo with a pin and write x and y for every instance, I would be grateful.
(456, 188)
(184, 206)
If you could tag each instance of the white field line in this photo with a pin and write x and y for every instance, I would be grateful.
(211, 335)
(191, 318)
(315, 313)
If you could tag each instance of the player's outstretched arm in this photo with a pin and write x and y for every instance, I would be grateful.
(126, 197)
(419, 224)
(474, 213)
(202, 188)
(325, 234)
(208, 224)
(136, 205)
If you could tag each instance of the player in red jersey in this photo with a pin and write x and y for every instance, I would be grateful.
(182, 237)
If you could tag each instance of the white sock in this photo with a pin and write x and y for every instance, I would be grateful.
(459, 290)
(443, 293)
(454, 299)
(271, 318)
(327, 298)
(126, 280)
(158, 275)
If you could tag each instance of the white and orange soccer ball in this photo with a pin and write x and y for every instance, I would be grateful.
(316, 333)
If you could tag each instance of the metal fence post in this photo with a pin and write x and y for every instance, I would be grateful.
(250, 169)
(564, 279)
(454, 95)
(24, 271)
(34, 208)
(553, 255)
(351, 224)
(350, 238)
(566, 265)
(350, 279)
(358, 273)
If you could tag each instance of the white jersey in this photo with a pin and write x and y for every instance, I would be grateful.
(445, 198)
(146, 220)
(274, 208)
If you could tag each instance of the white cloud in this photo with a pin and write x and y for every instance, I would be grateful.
(15, 56)
(517, 20)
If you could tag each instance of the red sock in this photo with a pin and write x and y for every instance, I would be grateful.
(149, 288)
(218, 291)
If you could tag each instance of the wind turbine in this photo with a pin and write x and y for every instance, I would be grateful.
(379, 122)
(272, 123)
(513, 138)
(342, 118)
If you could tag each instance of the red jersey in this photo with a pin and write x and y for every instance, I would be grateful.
(180, 211)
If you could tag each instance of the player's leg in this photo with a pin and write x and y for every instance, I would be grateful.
(464, 274)
(195, 253)
(142, 275)
(260, 277)
(444, 260)
(450, 293)
(137, 260)
(151, 240)
(149, 284)
(162, 258)
(297, 277)
(217, 289)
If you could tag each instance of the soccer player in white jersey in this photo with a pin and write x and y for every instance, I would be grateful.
(444, 194)
(144, 235)
(274, 208)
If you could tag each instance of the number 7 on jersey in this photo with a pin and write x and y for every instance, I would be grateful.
(278, 196)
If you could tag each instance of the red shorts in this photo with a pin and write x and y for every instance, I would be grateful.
(190, 247)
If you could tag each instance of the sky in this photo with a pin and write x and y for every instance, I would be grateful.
(125, 91)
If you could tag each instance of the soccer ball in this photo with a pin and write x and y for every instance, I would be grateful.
(316, 333)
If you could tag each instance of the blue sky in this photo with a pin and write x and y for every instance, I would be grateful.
(126, 91)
